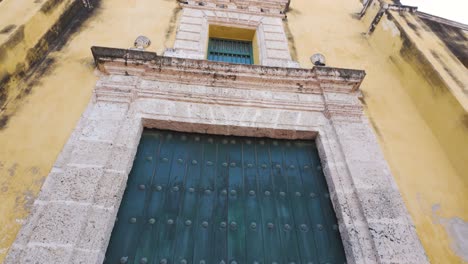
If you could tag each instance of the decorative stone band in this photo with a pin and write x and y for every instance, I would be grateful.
(149, 66)
(268, 7)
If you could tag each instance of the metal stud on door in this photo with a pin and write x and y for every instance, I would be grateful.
(211, 199)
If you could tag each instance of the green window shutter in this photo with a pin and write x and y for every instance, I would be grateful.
(194, 198)
(232, 51)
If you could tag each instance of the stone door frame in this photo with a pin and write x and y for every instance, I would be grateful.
(72, 219)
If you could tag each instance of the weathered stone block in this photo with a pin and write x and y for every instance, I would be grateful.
(100, 130)
(275, 36)
(99, 223)
(397, 243)
(193, 12)
(72, 184)
(370, 175)
(278, 54)
(90, 154)
(279, 45)
(189, 28)
(14, 254)
(274, 21)
(129, 133)
(110, 189)
(182, 35)
(22, 239)
(87, 257)
(122, 159)
(45, 254)
(382, 204)
(273, 29)
(191, 20)
(59, 223)
(108, 111)
(187, 45)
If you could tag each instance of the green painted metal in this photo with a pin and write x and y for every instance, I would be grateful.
(194, 198)
(232, 51)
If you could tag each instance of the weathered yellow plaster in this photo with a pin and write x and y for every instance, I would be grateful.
(30, 25)
(45, 118)
(419, 129)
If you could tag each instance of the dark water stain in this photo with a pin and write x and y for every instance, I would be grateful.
(453, 37)
(38, 64)
(50, 5)
(4, 121)
(11, 42)
(7, 29)
(363, 97)
(446, 68)
(464, 121)
(294, 11)
(411, 54)
(15, 38)
(376, 128)
(28, 200)
(291, 41)
(12, 169)
(172, 22)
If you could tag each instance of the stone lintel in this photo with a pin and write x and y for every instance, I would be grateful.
(148, 65)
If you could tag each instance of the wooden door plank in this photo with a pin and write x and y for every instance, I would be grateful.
(153, 203)
(167, 236)
(283, 194)
(220, 224)
(203, 251)
(314, 205)
(306, 242)
(253, 218)
(184, 243)
(236, 230)
(271, 238)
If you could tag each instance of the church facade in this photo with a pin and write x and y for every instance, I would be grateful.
(224, 148)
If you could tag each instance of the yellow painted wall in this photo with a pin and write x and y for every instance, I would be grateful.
(30, 24)
(418, 130)
(44, 119)
(418, 124)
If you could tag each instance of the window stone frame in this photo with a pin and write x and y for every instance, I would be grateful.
(72, 219)
(192, 34)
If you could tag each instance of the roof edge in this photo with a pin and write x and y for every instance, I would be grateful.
(442, 20)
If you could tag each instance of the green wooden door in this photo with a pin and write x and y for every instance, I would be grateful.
(194, 198)
(232, 51)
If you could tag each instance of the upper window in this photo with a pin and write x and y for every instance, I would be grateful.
(232, 51)
(232, 45)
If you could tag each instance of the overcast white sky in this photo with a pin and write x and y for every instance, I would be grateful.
(451, 9)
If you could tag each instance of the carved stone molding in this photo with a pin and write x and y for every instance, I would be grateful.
(267, 7)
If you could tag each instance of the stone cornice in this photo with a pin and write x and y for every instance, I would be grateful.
(150, 66)
(258, 7)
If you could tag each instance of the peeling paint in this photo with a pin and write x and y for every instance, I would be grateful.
(457, 229)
